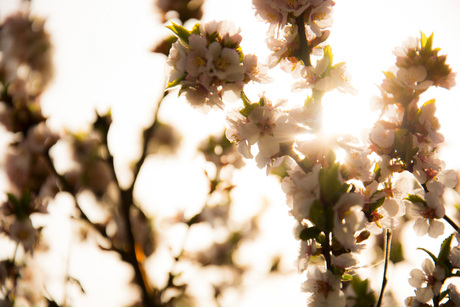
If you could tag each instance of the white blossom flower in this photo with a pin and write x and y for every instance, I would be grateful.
(307, 249)
(414, 77)
(394, 202)
(321, 17)
(427, 214)
(454, 295)
(254, 70)
(210, 66)
(348, 219)
(427, 282)
(411, 43)
(448, 82)
(268, 126)
(318, 78)
(283, 46)
(301, 191)
(438, 183)
(276, 12)
(176, 61)
(344, 261)
(454, 257)
(224, 63)
(427, 165)
(325, 288)
(381, 136)
(430, 123)
(411, 301)
(357, 163)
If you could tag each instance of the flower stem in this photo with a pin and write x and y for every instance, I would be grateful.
(385, 268)
(327, 251)
(304, 48)
(452, 223)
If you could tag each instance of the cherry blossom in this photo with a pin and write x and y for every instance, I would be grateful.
(325, 288)
(267, 125)
(427, 282)
(428, 213)
(301, 191)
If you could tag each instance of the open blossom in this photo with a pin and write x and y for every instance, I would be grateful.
(301, 191)
(325, 288)
(348, 219)
(276, 12)
(427, 282)
(395, 193)
(308, 248)
(381, 136)
(208, 63)
(356, 163)
(283, 45)
(320, 16)
(414, 77)
(323, 79)
(268, 126)
(427, 164)
(428, 213)
(430, 124)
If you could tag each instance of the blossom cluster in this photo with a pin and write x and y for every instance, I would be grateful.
(208, 63)
(339, 202)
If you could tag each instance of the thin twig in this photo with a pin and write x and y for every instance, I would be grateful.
(385, 268)
(452, 223)
(65, 186)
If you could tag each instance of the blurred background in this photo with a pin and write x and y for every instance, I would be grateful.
(243, 253)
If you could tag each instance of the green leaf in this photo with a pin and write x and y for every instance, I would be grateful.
(196, 29)
(429, 102)
(248, 106)
(415, 199)
(13, 199)
(426, 42)
(445, 249)
(310, 233)
(389, 75)
(180, 32)
(435, 260)
(329, 56)
(364, 296)
(175, 82)
(318, 215)
(376, 205)
(331, 186)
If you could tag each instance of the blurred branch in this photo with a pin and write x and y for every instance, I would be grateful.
(65, 186)
(126, 201)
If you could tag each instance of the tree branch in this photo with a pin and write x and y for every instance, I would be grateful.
(385, 269)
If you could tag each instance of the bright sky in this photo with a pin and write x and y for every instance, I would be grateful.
(102, 59)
